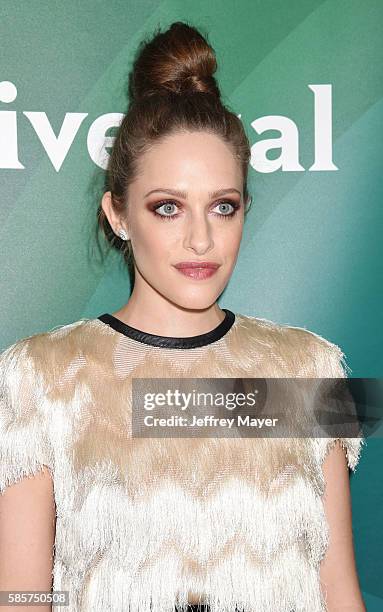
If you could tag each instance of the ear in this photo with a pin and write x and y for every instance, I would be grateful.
(248, 202)
(109, 210)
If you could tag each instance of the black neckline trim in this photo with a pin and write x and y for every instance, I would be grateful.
(171, 341)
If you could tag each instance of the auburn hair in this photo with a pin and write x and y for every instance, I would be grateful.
(171, 89)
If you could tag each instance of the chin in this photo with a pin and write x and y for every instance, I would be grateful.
(195, 301)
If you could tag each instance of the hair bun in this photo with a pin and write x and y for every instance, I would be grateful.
(178, 61)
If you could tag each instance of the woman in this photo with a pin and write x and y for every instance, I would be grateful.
(150, 524)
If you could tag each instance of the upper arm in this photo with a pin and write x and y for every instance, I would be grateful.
(338, 451)
(27, 506)
(338, 572)
(27, 532)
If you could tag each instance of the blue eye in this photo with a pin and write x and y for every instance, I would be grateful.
(226, 203)
(169, 206)
(166, 206)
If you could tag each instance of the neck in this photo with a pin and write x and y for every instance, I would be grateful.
(152, 312)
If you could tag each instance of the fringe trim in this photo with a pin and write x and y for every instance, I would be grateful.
(352, 446)
(24, 448)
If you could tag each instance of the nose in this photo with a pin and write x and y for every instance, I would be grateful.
(199, 233)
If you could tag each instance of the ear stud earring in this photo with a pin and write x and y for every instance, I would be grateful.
(122, 234)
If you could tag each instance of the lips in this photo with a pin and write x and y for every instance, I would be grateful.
(196, 264)
(198, 270)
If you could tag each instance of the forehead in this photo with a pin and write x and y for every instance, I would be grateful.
(184, 159)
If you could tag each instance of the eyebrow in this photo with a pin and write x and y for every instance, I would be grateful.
(183, 194)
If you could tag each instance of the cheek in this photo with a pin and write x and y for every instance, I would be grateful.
(152, 244)
(229, 238)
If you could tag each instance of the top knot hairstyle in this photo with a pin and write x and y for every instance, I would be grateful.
(171, 89)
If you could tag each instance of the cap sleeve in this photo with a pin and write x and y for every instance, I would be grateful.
(24, 448)
(331, 363)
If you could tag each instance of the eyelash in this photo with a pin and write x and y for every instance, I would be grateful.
(234, 204)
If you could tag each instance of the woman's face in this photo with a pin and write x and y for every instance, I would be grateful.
(186, 205)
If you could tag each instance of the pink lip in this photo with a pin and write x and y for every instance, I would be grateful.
(198, 270)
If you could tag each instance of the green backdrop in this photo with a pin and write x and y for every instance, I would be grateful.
(311, 254)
